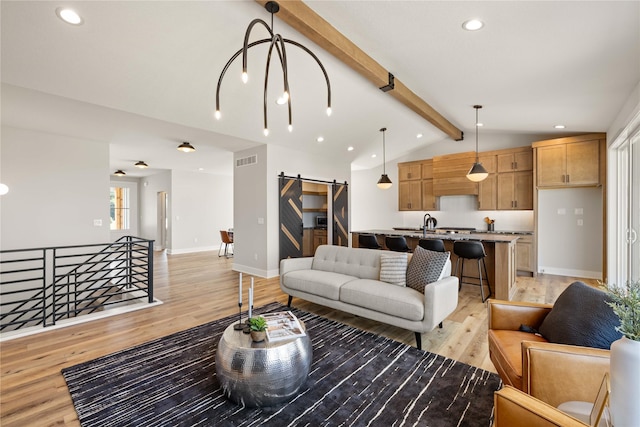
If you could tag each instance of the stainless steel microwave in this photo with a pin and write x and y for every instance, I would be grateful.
(321, 221)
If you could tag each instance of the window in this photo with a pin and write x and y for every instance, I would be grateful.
(119, 208)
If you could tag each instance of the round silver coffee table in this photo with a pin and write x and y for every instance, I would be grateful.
(261, 374)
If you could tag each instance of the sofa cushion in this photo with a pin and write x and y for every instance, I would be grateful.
(425, 267)
(397, 301)
(393, 268)
(322, 283)
(505, 349)
(361, 263)
(581, 316)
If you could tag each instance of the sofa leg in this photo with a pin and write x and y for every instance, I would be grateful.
(289, 302)
(440, 325)
(418, 341)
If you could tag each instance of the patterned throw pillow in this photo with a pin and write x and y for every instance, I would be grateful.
(425, 267)
(393, 268)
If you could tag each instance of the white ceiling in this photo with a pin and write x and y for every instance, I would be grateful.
(142, 75)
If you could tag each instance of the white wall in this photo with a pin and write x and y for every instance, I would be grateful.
(58, 186)
(201, 206)
(564, 247)
(256, 195)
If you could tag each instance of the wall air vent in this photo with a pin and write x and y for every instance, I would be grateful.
(247, 161)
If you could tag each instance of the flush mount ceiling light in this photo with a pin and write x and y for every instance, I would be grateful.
(185, 147)
(472, 24)
(141, 165)
(279, 43)
(477, 172)
(384, 182)
(69, 16)
(119, 172)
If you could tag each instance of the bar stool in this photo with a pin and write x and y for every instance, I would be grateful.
(368, 241)
(396, 243)
(436, 245)
(226, 240)
(466, 249)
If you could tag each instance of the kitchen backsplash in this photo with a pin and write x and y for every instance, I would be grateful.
(461, 211)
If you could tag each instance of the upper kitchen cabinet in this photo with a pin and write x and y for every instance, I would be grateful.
(569, 162)
(450, 174)
(410, 171)
(415, 187)
(516, 160)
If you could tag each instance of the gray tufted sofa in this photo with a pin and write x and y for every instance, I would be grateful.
(347, 279)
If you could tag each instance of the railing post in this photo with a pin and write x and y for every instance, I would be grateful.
(150, 271)
(53, 287)
(44, 287)
(129, 262)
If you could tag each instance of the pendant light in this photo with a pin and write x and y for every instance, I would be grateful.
(384, 182)
(185, 147)
(477, 172)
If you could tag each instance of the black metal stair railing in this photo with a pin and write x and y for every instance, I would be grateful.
(42, 286)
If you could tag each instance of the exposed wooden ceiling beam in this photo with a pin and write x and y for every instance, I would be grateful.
(301, 17)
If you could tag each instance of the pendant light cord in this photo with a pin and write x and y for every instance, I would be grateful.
(477, 107)
(384, 157)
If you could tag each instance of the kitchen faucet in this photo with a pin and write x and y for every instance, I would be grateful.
(424, 224)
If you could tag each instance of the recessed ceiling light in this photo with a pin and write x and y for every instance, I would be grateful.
(472, 24)
(559, 126)
(349, 148)
(320, 138)
(479, 124)
(69, 16)
(419, 136)
(373, 156)
(200, 169)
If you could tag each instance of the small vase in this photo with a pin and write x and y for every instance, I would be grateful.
(625, 382)
(258, 336)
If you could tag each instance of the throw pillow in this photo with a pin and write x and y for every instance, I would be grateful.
(581, 316)
(425, 267)
(393, 268)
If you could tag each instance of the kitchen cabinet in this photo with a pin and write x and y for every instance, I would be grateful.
(308, 248)
(524, 254)
(450, 174)
(410, 171)
(569, 162)
(429, 200)
(319, 238)
(514, 161)
(515, 191)
(410, 195)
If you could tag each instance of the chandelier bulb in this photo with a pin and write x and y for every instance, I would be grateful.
(328, 111)
(290, 127)
(218, 115)
(245, 77)
(266, 132)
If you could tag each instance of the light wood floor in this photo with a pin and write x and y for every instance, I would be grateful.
(196, 289)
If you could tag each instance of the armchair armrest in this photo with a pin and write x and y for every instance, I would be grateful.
(515, 408)
(557, 373)
(510, 315)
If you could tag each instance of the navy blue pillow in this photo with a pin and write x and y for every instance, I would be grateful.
(581, 317)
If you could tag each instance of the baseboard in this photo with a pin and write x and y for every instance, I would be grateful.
(570, 272)
(259, 272)
(191, 250)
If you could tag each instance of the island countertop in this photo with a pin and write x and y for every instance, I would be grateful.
(479, 236)
(500, 252)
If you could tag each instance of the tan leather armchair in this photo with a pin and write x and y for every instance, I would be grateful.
(515, 408)
(552, 373)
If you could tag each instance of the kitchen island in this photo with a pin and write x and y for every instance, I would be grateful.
(500, 250)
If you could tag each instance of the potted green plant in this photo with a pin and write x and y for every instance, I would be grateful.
(258, 327)
(625, 354)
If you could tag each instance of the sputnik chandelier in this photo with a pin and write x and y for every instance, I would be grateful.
(278, 42)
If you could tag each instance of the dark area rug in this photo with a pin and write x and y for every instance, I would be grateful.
(356, 379)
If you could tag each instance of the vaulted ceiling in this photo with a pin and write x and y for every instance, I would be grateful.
(142, 76)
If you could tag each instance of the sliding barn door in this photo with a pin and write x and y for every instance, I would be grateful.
(340, 214)
(290, 217)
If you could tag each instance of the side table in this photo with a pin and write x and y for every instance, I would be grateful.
(261, 374)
